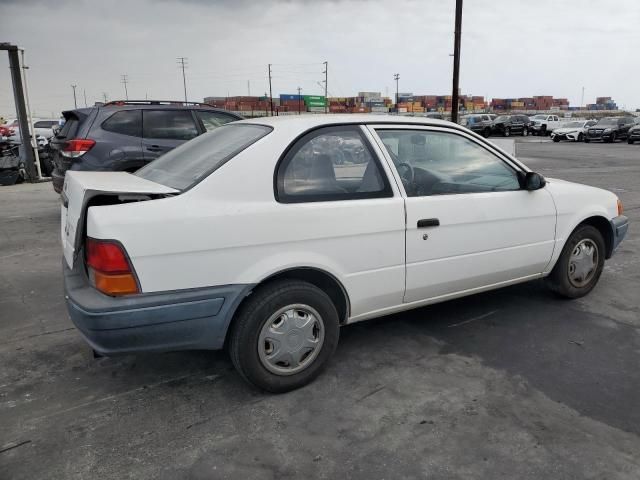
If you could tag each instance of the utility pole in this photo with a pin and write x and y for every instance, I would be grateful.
(326, 78)
(104, 96)
(124, 79)
(299, 98)
(270, 91)
(182, 64)
(21, 110)
(249, 87)
(396, 77)
(84, 92)
(456, 62)
(75, 103)
(582, 100)
(32, 133)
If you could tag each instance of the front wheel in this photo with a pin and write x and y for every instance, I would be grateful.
(556, 139)
(580, 264)
(507, 132)
(284, 335)
(629, 141)
(486, 132)
(580, 137)
(525, 132)
(586, 140)
(613, 138)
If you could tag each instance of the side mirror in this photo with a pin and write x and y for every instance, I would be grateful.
(532, 181)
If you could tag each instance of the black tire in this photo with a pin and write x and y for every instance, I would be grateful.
(486, 133)
(507, 132)
(558, 281)
(613, 138)
(586, 140)
(556, 139)
(543, 131)
(245, 331)
(629, 141)
(580, 137)
(525, 132)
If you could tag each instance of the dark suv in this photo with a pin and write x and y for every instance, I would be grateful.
(125, 135)
(478, 123)
(508, 125)
(609, 129)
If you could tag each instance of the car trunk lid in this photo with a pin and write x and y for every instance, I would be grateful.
(81, 187)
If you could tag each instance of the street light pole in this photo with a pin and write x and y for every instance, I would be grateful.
(396, 77)
(75, 103)
(456, 62)
(299, 98)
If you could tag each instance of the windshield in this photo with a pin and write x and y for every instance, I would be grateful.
(608, 121)
(192, 161)
(502, 118)
(574, 125)
(471, 120)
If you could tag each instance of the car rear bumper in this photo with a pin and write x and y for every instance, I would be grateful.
(619, 226)
(191, 319)
(57, 180)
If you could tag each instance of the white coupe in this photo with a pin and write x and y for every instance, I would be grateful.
(573, 131)
(266, 235)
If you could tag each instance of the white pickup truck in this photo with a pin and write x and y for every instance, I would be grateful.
(544, 124)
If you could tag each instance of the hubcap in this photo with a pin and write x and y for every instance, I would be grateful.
(583, 263)
(291, 339)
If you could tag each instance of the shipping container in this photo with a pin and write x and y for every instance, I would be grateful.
(289, 96)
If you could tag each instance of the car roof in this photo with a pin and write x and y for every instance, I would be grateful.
(305, 122)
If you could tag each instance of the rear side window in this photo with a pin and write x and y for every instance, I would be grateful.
(125, 122)
(70, 127)
(186, 165)
(332, 163)
(45, 124)
(213, 120)
(168, 124)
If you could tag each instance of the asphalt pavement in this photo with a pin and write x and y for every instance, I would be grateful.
(514, 383)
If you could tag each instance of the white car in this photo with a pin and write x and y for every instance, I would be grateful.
(267, 235)
(543, 124)
(573, 131)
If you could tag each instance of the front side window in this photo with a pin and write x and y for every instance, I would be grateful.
(213, 120)
(169, 125)
(438, 163)
(125, 122)
(332, 163)
(186, 165)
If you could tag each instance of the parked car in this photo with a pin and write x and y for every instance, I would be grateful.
(609, 129)
(507, 125)
(481, 124)
(573, 131)
(253, 236)
(543, 124)
(634, 134)
(125, 135)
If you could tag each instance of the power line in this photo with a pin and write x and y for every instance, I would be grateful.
(182, 64)
(124, 79)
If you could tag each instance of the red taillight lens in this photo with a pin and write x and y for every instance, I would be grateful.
(77, 147)
(109, 268)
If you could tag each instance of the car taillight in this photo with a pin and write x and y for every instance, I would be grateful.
(77, 147)
(109, 268)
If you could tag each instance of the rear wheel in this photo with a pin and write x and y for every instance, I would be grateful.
(580, 264)
(284, 335)
(486, 132)
(543, 131)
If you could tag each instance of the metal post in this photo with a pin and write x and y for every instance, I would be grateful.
(326, 77)
(456, 62)
(75, 102)
(84, 92)
(270, 91)
(181, 61)
(124, 80)
(32, 133)
(396, 77)
(21, 111)
(299, 98)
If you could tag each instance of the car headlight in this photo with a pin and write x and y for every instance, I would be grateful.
(572, 131)
(606, 130)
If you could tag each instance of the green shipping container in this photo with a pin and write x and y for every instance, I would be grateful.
(315, 104)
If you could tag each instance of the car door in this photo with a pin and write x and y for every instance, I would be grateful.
(342, 211)
(164, 130)
(119, 141)
(469, 224)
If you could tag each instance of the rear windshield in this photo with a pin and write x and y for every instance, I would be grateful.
(186, 165)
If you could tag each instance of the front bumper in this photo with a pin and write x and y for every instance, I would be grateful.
(565, 136)
(194, 319)
(619, 227)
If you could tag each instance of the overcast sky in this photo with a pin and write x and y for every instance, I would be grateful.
(510, 48)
